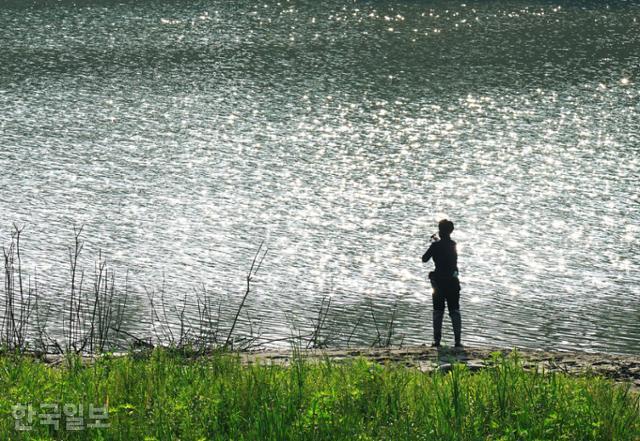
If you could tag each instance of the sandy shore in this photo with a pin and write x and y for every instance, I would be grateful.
(620, 368)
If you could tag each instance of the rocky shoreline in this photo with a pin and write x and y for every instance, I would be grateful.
(619, 368)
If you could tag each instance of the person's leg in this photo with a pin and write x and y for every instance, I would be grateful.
(456, 322)
(438, 315)
(453, 305)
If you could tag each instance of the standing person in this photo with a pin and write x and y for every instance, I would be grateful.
(445, 283)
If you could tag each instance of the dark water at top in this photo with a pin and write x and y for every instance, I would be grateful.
(182, 134)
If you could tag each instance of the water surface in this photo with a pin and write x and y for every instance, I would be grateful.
(183, 134)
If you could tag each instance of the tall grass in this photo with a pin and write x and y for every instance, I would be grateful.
(89, 316)
(164, 396)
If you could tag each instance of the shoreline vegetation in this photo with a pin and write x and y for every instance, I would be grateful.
(89, 315)
(621, 370)
(159, 394)
(212, 377)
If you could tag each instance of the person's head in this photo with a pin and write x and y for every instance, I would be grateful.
(445, 228)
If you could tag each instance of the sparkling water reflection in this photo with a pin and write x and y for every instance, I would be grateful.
(184, 134)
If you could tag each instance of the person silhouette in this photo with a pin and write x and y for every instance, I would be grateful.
(445, 283)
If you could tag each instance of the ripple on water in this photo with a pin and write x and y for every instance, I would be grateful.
(184, 135)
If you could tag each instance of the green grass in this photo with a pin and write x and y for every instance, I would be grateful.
(168, 397)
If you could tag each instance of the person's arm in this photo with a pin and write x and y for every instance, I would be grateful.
(426, 256)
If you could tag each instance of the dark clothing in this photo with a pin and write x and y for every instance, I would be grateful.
(445, 277)
(445, 257)
(446, 286)
(446, 292)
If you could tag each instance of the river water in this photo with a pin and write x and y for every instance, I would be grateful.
(184, 134)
